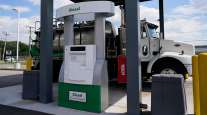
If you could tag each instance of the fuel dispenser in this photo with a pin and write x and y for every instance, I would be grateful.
(83, 77)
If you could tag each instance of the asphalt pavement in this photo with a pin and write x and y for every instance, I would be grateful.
(8, 110)
(10, 78)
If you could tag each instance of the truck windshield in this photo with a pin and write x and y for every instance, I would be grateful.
(152, 32)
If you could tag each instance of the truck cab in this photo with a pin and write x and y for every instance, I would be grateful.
(160, 56)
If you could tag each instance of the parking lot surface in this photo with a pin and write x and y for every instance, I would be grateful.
(11, 95)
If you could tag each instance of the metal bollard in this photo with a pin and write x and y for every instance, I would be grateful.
(195, 77)
(29, 63)
(168, 95)
(202, 69)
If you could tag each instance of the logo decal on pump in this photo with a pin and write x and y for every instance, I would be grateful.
(74, 9)
(77, 96)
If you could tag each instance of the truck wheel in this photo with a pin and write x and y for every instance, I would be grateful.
(168, 71)
(169, 67)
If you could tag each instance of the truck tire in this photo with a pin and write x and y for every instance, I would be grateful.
(169, 66)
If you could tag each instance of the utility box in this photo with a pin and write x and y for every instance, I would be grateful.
(30, 85)
(168, 95)
(85, 85)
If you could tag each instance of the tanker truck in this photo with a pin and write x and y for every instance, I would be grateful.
(158, 56)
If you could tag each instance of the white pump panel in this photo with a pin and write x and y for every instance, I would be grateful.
(79, 63)
(86, 64)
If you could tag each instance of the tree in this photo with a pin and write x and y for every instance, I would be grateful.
(11, 46)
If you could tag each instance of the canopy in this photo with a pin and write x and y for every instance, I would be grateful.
(117, 2)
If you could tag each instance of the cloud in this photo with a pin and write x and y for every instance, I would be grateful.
(60, 3)
(194, 7)
(184, 23)
(199, 4)
(22, 9)
(185, 29)
(35, 2)
(116, 18)
(57, 3)
(187, 22)
(9, 24)
(150, 14)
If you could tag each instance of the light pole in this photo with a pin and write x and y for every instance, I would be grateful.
(18, 18)
(30, 37)
(5, 40)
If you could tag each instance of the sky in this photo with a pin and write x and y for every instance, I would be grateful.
(185, 20)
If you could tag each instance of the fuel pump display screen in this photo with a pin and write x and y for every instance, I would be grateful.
(77, 48)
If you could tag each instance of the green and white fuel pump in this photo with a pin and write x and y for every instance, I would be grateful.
(83, 77)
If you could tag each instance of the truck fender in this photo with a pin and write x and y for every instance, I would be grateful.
(184, 59)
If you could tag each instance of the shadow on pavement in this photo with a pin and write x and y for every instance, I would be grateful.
(118, 90)
(7, 110)
(146, 113)
(11, 80)
(146, 86)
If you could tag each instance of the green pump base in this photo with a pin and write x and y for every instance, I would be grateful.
(86, 97)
